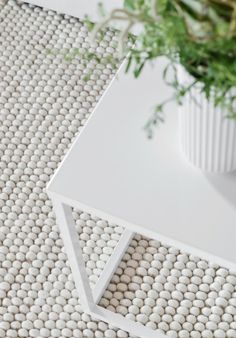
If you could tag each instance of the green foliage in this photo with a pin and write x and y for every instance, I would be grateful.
(68, 55)
(199, 34)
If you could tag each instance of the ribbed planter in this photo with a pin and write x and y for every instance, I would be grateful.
(207, 136)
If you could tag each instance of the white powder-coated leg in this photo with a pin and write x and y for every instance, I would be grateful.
(71, 242)
(75, 258)
(112, 264)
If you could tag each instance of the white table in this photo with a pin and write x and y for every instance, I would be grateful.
(113, 171)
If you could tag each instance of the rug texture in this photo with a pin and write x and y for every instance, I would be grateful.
(46, 95)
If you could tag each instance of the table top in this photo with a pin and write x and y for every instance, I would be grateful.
(116, 172)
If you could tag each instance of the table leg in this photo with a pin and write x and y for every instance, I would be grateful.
(88, 298)
(75, 257)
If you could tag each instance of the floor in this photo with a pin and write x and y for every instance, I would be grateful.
(46, 98)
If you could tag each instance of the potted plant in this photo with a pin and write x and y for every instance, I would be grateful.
(198, 37)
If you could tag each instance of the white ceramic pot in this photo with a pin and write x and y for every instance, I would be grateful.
(207, 136)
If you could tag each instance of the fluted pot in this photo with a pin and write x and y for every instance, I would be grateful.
(207, 135)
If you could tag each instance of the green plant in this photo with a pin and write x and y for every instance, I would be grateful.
(199, 34)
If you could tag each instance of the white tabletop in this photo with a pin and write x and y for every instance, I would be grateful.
(113, 170)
